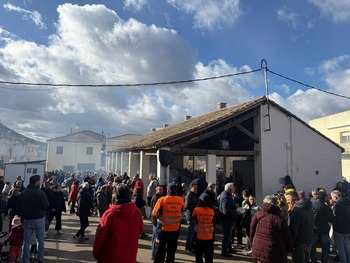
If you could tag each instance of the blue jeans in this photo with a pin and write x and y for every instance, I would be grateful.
(31, 225)
(227, 233)
(190, 234)
(156, 229)
(342, 245)
(324, 242)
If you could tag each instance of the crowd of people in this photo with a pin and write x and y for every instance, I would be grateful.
(288, 223)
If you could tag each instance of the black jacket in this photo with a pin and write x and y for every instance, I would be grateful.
(342, 215)
(302, 223)
(323, 216)
(33, 203)
(58, 202)
(85, 203)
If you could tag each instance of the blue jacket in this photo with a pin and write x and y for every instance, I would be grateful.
(227, 207)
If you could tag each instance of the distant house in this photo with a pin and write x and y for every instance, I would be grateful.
(15, 147)
(77, 151)
(85, 150)
(337, 128)
(258, 142)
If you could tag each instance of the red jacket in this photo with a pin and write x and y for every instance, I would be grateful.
(15, 237)
(73, 193)
(270, 235)
(118, 233)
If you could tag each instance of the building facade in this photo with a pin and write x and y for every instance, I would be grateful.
(337, 128)
(77, 151)
(259, 141)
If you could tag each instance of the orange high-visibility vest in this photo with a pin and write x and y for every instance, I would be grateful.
(204, 226)
(168, 210)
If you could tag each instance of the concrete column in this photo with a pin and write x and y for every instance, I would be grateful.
(134, 165)
(117, 162)
(162, 171)
(211, 168)
(124, 164)
(195, 162)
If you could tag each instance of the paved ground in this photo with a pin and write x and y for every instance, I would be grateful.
(64, 248)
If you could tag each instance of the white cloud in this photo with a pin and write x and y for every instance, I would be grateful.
(311, 103)
(34, 16)
(338, 11)
(210, 14)
(288, 16)
(134, 4)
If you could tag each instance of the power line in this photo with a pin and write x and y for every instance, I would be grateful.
(128, 84)
(60, 86)
(307, 85)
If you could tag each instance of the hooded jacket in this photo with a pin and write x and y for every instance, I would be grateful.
(342, 215)
(302, 222)
(270, 235)
(118, 233)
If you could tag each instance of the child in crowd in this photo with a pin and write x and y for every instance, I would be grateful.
(15, 240)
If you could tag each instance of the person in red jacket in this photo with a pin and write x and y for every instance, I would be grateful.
(117, 235)
(73, 196)
(15, 240)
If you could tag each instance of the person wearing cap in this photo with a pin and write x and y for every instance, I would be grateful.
(117, 235)
(203, 216)
(33, 204)
(15, 240)
(168, 211)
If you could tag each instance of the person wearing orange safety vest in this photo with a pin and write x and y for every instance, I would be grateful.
(203, 215)
(168, 210)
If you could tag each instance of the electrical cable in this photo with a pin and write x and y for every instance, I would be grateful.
(130, 85)
(307, 85)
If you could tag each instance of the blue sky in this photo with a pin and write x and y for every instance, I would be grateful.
(146, 41)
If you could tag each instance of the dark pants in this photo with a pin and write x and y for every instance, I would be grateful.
(84, 223)
(72, 208)
(323, 240)
(167, 243)
(227, 233)
(301, 254)
(205, 247)
(58, 216)
(237, 227)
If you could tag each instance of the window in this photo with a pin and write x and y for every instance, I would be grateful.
(89, 150)
(345, 137)
(59, 150)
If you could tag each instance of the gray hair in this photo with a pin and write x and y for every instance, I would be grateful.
(337, 194)
(228, 186)
(270, 199)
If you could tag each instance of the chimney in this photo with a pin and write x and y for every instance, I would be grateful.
(221, 105)
(166, 125)
(187, 117)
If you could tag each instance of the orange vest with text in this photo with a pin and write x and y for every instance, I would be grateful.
(204, 223)
(168, 210)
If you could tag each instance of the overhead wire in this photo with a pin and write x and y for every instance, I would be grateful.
(131, 84)
(263, 66)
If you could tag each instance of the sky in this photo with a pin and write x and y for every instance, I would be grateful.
(110, 44)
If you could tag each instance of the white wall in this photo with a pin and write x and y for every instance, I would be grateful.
(291, 148)
(73, 153)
